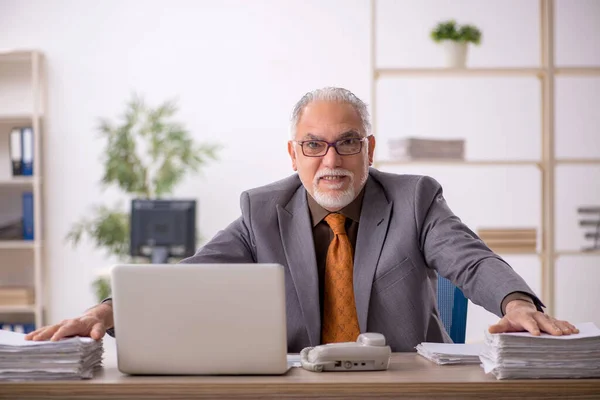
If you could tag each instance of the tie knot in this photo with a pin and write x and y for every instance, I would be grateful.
(336, 223)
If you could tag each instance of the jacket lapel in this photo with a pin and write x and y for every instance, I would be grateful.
(372, 228)
(296, 235)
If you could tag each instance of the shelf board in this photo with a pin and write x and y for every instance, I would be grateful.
(499, 72)
(459, 162)
(444, 72)
(17, 244)
(19, 181)
(578, 253)
(578, 160)
(17, 309)
(16, 119)
(577, 71)
(8, 55)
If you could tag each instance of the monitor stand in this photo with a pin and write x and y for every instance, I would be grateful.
(160, 255)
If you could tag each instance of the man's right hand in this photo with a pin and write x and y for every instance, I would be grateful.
(93, 323)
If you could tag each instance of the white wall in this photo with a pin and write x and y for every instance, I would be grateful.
(237, 67)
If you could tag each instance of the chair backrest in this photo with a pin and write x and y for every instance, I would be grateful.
(452, 305)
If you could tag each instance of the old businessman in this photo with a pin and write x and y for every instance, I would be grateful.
(361, 248)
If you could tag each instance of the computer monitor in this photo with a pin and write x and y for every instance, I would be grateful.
(163, 228)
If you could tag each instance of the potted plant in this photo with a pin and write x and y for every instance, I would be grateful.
(146, 155)
(455, 40)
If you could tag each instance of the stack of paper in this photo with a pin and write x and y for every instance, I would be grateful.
(450, 353)
(72, 358)
(522, 355)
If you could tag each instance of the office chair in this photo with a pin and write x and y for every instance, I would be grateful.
(452, 305)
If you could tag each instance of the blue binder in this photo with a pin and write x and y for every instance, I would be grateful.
(20, 328)
(27, 151)
(27, 216)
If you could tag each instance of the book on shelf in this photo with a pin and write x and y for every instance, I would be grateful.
(508, 234)
(421, 149)
(589, 210)
(592, 234)
(528, 232)
(28, 233)
(15, 225)
(21, 151)
(11, 230)
(16, 296)
(15, 151)
(509, 240)
(18, 328)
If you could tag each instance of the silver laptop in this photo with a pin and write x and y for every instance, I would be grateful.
(200, 319)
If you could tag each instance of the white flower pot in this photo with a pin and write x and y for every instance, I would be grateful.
(456, 53)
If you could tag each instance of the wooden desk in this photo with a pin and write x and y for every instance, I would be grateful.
(409, 376)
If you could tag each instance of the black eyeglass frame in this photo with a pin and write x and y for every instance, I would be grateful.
(331, 144)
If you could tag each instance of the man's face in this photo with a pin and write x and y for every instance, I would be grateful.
(332, 180)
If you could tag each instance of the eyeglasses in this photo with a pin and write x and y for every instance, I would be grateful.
(319, 148)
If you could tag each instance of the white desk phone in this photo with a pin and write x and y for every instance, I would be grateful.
(368, 353)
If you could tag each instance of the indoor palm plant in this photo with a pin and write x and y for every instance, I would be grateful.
(455, 40)
(146, 155)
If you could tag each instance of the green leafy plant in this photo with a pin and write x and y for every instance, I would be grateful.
(146, 155)
(449, 30)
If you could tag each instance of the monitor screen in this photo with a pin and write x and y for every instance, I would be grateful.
(163, 228)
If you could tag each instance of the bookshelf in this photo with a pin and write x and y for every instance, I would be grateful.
(548, 162)
(22, 99)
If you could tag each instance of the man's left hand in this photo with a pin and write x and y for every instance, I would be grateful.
(523, 316)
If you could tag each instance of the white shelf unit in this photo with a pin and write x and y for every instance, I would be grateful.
(22, 103)
(548, 162)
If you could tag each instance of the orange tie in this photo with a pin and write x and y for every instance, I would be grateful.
(340, 321)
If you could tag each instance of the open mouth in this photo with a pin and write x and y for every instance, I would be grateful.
(333, 180)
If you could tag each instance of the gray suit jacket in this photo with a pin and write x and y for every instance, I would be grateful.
(406, 233)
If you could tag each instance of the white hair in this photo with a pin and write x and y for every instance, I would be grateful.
(335, 94)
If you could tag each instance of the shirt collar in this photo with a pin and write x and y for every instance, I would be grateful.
(352, 210)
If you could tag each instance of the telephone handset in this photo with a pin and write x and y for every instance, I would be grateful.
(368, 353)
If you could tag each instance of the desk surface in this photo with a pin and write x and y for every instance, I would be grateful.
(409, 376)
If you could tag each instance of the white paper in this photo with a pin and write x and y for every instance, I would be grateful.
(524, 356)
(10, 338)
(70, 358)
(450, 353)
(458, 349)
(586, 330)
(293, 361)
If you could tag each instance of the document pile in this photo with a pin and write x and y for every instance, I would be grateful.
(73, 358)
(523, 356)
(450, 353)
